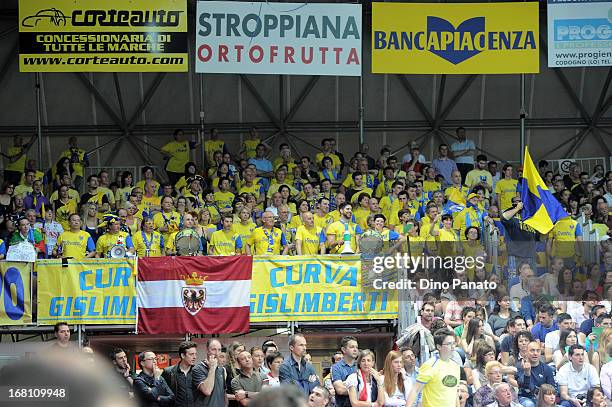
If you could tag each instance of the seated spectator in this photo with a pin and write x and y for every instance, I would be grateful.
(532, 374)
(576, 378)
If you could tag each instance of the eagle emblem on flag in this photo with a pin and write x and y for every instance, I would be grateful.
(194, 296)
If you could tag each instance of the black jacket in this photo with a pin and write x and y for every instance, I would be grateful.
(169, 376)
(147, 389)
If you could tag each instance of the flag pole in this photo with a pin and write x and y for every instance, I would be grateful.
(523, 115)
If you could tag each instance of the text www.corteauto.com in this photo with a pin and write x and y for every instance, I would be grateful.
(583, 58)
(95, 60)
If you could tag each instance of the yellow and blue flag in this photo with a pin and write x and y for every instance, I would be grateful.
(541, 210)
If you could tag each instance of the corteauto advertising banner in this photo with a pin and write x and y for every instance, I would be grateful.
(15, 293)
(447, 38)
(278, 38)
(103, 36)
(579, 33)
(306, 288)
(100, 291)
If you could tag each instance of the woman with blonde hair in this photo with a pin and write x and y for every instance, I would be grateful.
(231, 369)
(131, 221)
(363, 385)
(394, 384)
(89, 215)
(599, 357)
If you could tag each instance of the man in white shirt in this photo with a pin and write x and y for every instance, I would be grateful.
(576, 378)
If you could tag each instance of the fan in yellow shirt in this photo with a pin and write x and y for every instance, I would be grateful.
(438, 377)
(309, 238)
(362, 211)
(75, 243)
(505, 189)
(167, 220)
(113, 236)
(249, 146)
(267, 239)
(225, 242)
(148, 242)
(177, 153)
(223, 198)
(245, 227)
(343, 230)
(213, 145)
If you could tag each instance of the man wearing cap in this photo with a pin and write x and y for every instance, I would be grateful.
(194, 191)
(471, 215)
(113, 237)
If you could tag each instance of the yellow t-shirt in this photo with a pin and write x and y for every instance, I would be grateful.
(505, 190)
(260, 241)
(441, 379)
(210, 147)
(171, 219)
(384, 188)
(254, 189)
(107, 241)
(311, 239)
(296, 222)
(109, 194)
(338, 228)
(156, 244)
(564, 234)
(361, 217)
(75, 244)
(22, 190)
(18, 165)
(223, 200)
(179, 155)
(244, 231)
(250, 147)
(123, 194)
(76, 166)
(225, 244)
(322, 221)
(461, 220)
(63, 213)
(431, 186)
(151, 203)
(335, 160)
(475, 176)
(72, 194)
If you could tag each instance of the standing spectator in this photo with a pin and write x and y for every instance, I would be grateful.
(248, 383)
(463, 152)
(444, 165)
(480, 176)
(179, 376)
(344, 368)
(363, 384)
(79, 160)
(274, 361)
(36, 200)
(263, 166)
(295, 370)
(208, 378)
(576, 378)
(61, 331)
(27, 185)
(438, 377)
(505, 188)
(495, 175)
(520, 238)
(122, 367)
(150, 388)
(177, 154)
(17, 159)
(412, 161)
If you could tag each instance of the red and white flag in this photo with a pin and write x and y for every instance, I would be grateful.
(198, 295)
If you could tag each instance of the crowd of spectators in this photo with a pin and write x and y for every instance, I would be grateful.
(542, 336)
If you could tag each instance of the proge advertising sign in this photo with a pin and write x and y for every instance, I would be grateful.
(278, 38)
(579, 33)
(103, 36)
(446, 38)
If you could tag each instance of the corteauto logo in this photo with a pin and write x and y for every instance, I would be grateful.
(455, 44)
(110, 17)
(52, 15)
